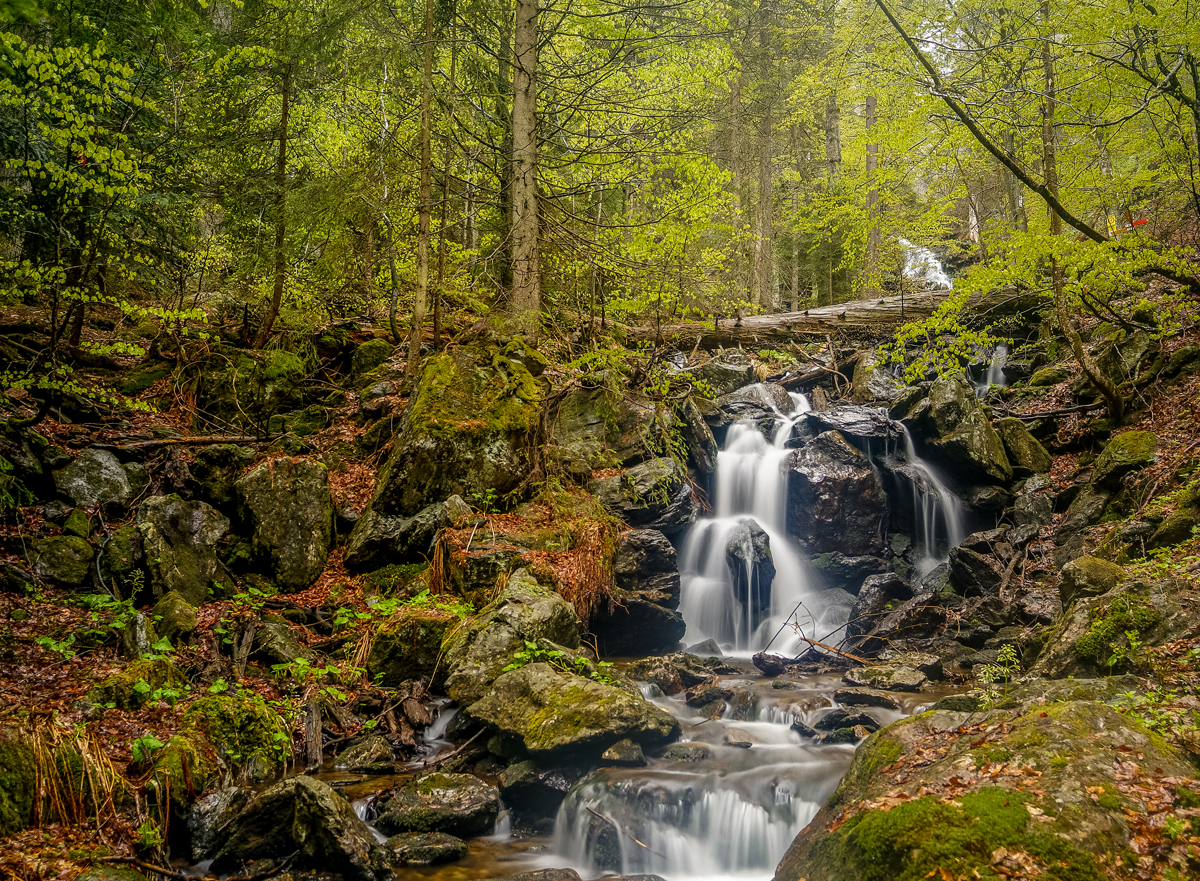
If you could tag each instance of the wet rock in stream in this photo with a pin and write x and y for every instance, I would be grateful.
(456, 804)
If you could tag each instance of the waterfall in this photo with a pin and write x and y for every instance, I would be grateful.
(994, 375)
(938, 513)
(922, 265)
(751, 484)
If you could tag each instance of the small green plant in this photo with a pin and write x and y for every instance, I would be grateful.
(145, 748)
(487, 501)
(533, 654)
(248, 602)
(61, 647)
(1007, 666)
(149, 835)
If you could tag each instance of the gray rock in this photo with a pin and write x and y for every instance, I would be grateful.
(555, 714)
(425, 849)
(840, 718)
(865, 697)
(1033, 509)
(1088, 577)
(624, 752)
(698, 437)
(456, 804)
(306, 817)
(525, 611)
(174, 617)
(62, 559)
(873, 381)
(763, 402)
(137, 638)
(372, 750)
(687, 752)
(98, 478)
(751, 568)
(208, 817)
(274, 643)
(381, 539)
(216, 470)
(652, 495)
(706, 649)
(179, 540)
(287, 504)
(877, 594)
(886, 678)
(725, 375)
(865, 423)
(956, 427)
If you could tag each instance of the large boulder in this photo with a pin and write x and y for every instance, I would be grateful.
(751, 568)
(593, 428)
(62, 559)
(835, 501)
(878, 596)
(652, 495)
(456, 804)
(307, 818)
(763, 403)
(1025, 453)
(1043, 792)
(382, 539)
(1088, 577)
(463, 431)
(1124, 454)
(524, 612)
(873, 380)
(216, 470)
(179, 541)
(697, 437)
(98, 478)
(556, 715)
(725, 373)
(636, 624)
(957, 430)
(248, 388)
(286, 503)
(862, 423)
(209, 817)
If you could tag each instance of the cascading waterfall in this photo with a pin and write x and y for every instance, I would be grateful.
(922, 265)
(751, 485)
(938, 513)
(994, 376)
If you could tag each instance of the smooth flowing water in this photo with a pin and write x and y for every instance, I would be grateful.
(938, 513)
(751, 486)
(994, 375)
(923, 266)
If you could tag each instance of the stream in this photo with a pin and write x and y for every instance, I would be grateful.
(728, 799)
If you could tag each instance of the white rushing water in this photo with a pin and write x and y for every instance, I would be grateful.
(751, 485)
(938, 514)
(922, 266)
(994, 375)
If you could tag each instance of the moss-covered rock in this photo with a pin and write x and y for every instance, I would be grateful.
(141, 681)
(245, 732)
(367, 356)
(425, 849)
(1025, 453)
(1051, 375)
(462, 433)
(121, 560)
(380, 539)
(216, 470)
(1124, 454)
(174, 617)
(78, 523)
(477, 653)
(244, 388)
(957, 430)
(556, 715)
(179, 540)
(457, 804)
(62, 559)
(1088, 577)
(287, 504)
(1043, 788)
(18, 781)
(410, 645)
(183, 769)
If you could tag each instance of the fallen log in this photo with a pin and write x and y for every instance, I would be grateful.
(855, 316)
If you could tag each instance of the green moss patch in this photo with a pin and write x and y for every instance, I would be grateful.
(18, 783)
(474, 395)
(1107, 641)
(241, 729)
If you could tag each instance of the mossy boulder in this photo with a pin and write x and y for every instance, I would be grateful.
(1046, 788)
(872, 380)
(174, 617)
(63, 559)
(956, 429)
(410, 645)
(367, 356)
(367, 753)
(1050, 375)
(425, 849)
(287, 505)
(139, 682)
(476, 654)
(18, 781)
(652, 495)
(1088, 577)
(179, 541)
(216, 470)
(380, 539)
(457, 804)
(247, 388)
(1025, 453)
(556, 715)
(1092, 637)
(1124, 454)
(306, 818)
(463, 432)
(245, 732)
(78, 523)
(183, 769)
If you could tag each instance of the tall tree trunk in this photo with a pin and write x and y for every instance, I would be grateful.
(1016, 205)
(763, 295)
(526, 299)
(833, 140)
(871, 288)
(1116, 407)
(735, 138)
(416, 331)
(795, 251)
(280, 212)
(503, 113)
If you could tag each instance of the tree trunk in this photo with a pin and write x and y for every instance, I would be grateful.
(833, 140)
(795, 251)
(526, 299)
(1116, 407)
(871, 288)
(280, 212)
(763, 295)
(417, 330)
(1016, 205)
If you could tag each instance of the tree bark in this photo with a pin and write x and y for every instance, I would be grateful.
(526, 299)
(763, 295)
(1012, 186)
(833, 140)
(425, 208)
(871, 288)
(280, 212)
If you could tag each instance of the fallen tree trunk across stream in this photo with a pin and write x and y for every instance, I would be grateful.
(851, 318)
